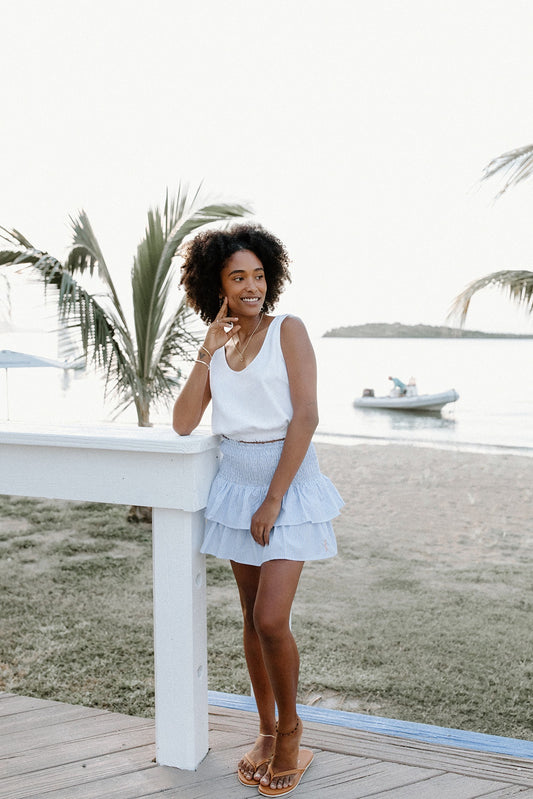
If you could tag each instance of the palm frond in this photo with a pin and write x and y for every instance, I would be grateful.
(31, 257)
(78, 309)
(174, 348)
(148, 304)
(9, 257)
(5, 298)
(175, 207)
(19, 246)
(217, 212)
(120, 384)
(518, 284)
(153, 271)
(85, 254)
(178, 340)
(516, 164)
(15, 237)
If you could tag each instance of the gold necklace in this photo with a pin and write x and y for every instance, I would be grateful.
(240, 353)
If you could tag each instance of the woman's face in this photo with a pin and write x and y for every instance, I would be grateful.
(242, 281)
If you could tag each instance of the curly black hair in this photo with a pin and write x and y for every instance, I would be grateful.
(206, 255)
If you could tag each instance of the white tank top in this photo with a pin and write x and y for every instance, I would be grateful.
(253, 404)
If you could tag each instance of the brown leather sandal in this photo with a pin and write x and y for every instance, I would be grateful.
(305, 756)
(255, 766)
(304, 761)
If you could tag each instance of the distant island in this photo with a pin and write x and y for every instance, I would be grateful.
(397, 330)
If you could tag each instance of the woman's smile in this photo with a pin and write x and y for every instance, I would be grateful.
(242, 281)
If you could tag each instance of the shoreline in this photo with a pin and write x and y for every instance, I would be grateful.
(351, 440)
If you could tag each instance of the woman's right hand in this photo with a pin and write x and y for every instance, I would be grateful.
(216, 336)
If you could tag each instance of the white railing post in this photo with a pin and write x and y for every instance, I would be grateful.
(180, 641)
(140, 466)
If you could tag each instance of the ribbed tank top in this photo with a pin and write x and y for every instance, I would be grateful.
(253, 404)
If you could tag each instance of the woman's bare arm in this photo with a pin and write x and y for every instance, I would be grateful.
(196, 393)
(193, 399)
(301, 368)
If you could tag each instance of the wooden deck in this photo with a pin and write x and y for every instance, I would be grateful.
(51, 750)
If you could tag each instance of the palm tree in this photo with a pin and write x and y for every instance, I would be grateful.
(139, 366)
(518, 165)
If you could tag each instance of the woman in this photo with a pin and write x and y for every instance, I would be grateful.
(269, 508)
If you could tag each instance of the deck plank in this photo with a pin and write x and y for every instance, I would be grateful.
(64, 777)
(51, 750)
(509, 792)
(12, 703)
(73, 730)
(43, 717)
(448, 786)
(350, 780)
(74, 751)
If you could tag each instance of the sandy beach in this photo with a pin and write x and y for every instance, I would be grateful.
(453, 506)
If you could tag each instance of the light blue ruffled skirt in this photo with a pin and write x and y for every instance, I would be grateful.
(303, 529)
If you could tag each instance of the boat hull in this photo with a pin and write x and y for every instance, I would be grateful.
(420, 402)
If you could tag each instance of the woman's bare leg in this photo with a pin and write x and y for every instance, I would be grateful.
(247, 578)
(267, 593)
(275, 594)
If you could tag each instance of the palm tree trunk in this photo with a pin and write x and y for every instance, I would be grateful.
(143, 412)
(140, 513)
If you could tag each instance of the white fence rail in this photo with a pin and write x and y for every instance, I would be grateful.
(140, 466)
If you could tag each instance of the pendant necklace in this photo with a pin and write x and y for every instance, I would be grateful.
(240, 353)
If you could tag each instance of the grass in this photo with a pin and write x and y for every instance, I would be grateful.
(379, 632)
(76, 587)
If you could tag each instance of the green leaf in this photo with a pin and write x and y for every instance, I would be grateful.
(153, 280)
(516, 164)
(517, 284)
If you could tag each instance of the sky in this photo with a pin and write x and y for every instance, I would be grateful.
(358, 131)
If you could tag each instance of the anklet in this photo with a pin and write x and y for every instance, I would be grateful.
(291, 732)
(266, 735)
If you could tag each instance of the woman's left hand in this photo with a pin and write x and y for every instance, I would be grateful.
(264, 520)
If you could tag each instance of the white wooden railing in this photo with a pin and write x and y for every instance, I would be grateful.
(140, 466)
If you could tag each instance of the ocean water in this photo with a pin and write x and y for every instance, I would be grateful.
(494, 378)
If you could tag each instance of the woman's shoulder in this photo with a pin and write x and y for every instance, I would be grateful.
(291, 325)
(293, 331)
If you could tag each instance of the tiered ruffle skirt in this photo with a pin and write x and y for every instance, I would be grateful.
(303, 528)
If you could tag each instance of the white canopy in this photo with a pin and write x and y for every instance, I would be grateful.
(23, 360)
(19, 360)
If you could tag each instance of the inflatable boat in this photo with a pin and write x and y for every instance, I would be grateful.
(414, 402)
